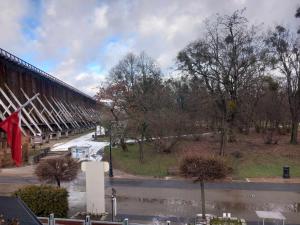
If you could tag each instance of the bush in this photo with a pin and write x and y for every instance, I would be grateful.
(45, 199)
(57, 169)
(225, 221)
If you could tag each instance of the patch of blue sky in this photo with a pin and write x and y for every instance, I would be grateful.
(46, 65)
(94, 67)
(32, 20)
(63, 51)
(113, 39)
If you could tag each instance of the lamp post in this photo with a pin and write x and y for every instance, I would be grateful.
(111, 174)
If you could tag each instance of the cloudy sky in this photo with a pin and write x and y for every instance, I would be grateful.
(78, 41)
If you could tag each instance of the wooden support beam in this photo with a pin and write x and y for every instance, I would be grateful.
(56, 113)
(67, 113)
(23, 109)
(7, 110)
(53, 120)
(37, 111)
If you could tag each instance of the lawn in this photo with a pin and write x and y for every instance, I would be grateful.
(155, 164)
(102, 139)
(264, 165)
(256, 158)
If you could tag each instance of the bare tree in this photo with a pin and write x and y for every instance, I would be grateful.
(203, 168)
(284, 55)
(57, 169)
(226, 60)
(140, 78)
(114, 92)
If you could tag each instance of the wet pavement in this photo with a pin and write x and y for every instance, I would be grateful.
(149, 201)
(189, 184)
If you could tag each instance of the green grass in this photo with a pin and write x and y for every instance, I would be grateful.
(102, 139)
(262, 165)
(155, 164)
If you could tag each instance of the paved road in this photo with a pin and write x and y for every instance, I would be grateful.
(173, 219)
(177, 200)
(187, 184)
(178, 184)
(18, 180)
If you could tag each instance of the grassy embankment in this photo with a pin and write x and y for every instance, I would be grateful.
(256, 159)
(155, 164)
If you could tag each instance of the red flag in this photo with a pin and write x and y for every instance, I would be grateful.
(11, 125)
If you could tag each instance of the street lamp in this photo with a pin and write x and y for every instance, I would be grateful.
(111, 174)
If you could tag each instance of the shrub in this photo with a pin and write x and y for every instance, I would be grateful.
(45, 199)
(225, 221)
(57, 169)
(203, 168)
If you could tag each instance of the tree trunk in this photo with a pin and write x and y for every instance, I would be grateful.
(231, 134)
(141, 149)
(123, 144)
(203, 199)
(57, 181)
(294, 132)
(223, 140)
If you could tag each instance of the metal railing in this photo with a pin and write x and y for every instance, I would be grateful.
(27, 65)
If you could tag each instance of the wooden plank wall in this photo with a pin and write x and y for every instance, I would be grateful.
(17, 77)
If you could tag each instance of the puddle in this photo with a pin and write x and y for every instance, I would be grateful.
(186, 204)
(219, 205)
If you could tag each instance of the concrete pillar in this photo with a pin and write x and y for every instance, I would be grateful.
(95, 198)
(58, 135)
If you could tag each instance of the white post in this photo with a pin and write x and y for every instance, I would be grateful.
(87, 220)
(125, 221)
(95, 187)
(51, 220)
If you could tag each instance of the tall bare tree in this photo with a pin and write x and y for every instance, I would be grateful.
(284, 55)
(140, 78)
(226, 59)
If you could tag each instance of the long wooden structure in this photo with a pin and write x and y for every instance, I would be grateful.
(59, 108)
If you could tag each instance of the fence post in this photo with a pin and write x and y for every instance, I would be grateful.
(125, 221)
(87, 220)
(51, 220)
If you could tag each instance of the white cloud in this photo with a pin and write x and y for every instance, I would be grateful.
(101, 18)
(12, 13)
(76, 33)
(88, 81)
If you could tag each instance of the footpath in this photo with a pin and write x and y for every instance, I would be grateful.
(28, 172)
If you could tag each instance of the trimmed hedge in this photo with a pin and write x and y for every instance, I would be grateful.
(45, 199)
(225, 221)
